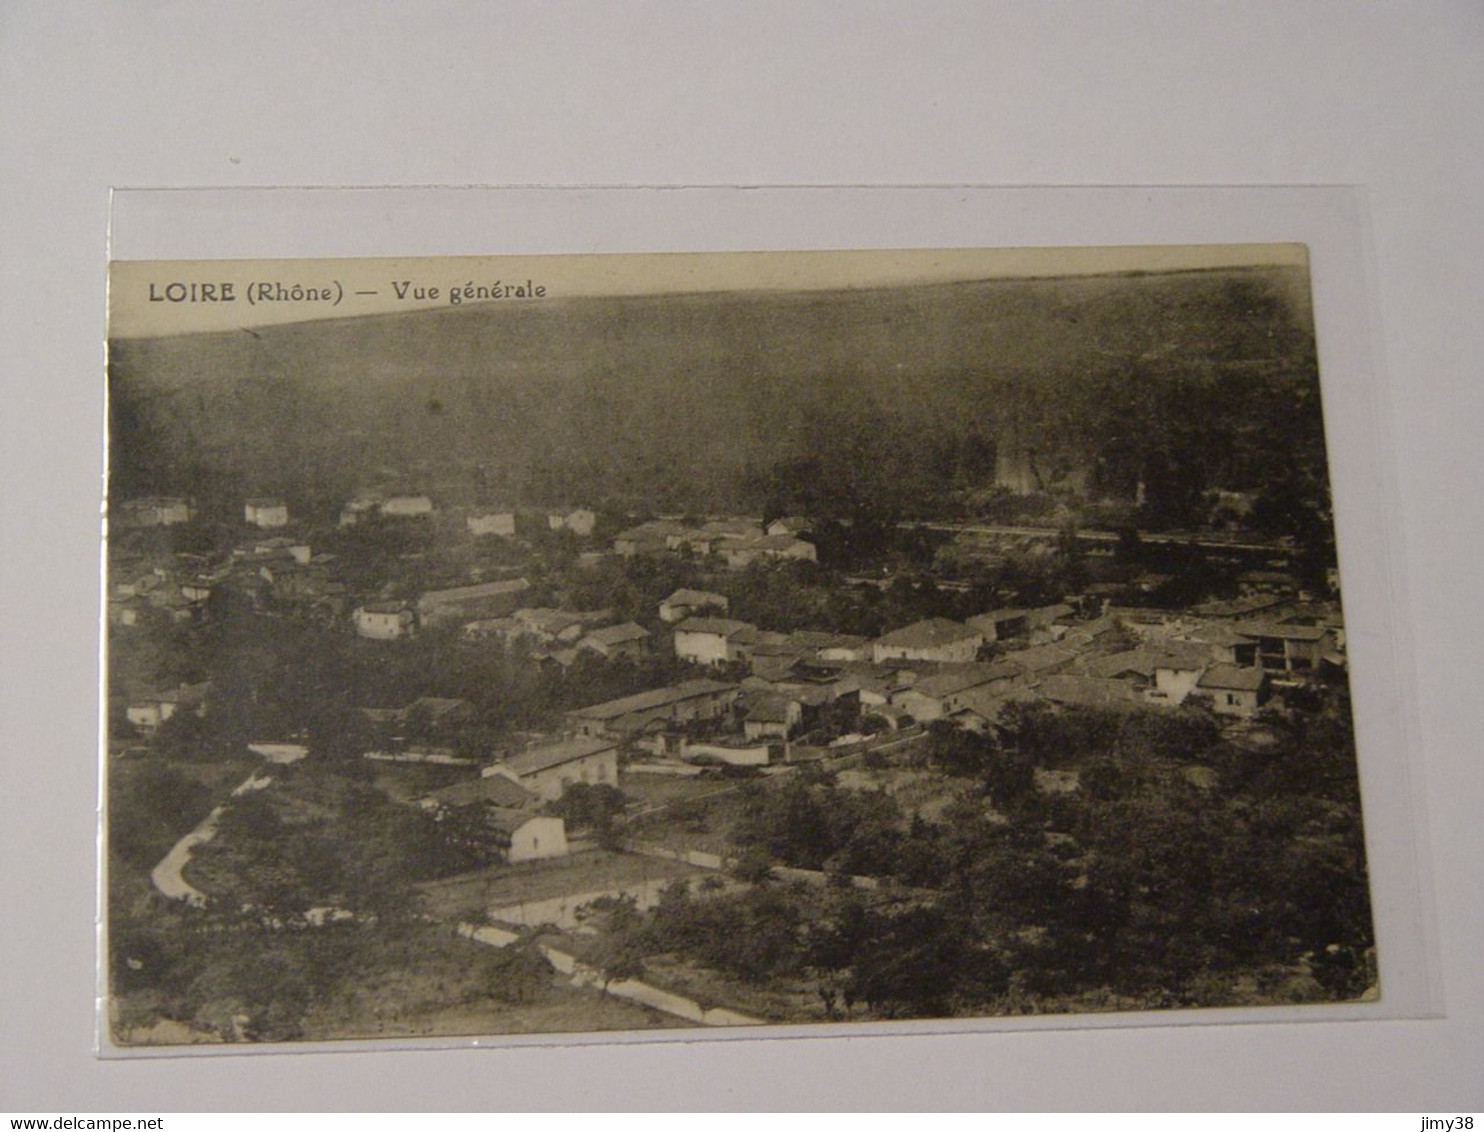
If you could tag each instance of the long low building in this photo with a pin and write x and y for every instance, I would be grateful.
(471, 603)
(680, 703)
(936, 639)
(549, 769)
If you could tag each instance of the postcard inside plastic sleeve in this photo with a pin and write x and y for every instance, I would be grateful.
(690, 642)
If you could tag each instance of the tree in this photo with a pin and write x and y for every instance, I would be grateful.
(592, 806)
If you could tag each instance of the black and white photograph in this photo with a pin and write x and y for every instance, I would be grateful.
(552, 645)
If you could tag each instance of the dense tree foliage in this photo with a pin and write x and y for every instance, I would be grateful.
(1180, 869)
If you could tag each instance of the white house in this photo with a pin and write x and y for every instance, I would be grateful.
(360, 508)
(743, 552)
(579, 520)
(155, 511)
(832, 646)
(936, 639)
(647, 538)
(934, 697)
(407, 506)
(685, 603)
(1290, 648)
(794, 525)
(549, 769)
(471, 603)
(483, 523)
(617, 642)
(526, 836)
(1177, 671)
(1235, 691)
(150, 712)
(707, 640)
(266, 513)
(769, 715)
(384, 620)
(656, 708)
(1001, 624)
(508, 812)
(732, 752)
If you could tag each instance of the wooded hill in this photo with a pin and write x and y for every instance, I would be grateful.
(891, 399)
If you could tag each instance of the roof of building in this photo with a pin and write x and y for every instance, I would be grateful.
(555, 754)
(1139, 661)
(545, 618)
(1185, 656)
(469, 593)
(508, 821)
(695, 597)
(384, 607)
(990, 700)
(1232, 678)
(716, 626)
(1040, 658)
(1222, 636)
(792, 523)
(733, 528)
(1048, 613)
(1086, 691)
(1238, 608)
(187, 695)
(1009, 613)
(931, 633)
(495, 789)
(812, 639)
(654, 698)
(654, 529)
(761, 638)
(617, 634)
(767, 707)
(779, 542)
(1255, 629)
(962, 678)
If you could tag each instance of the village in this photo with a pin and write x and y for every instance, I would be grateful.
(591, 717)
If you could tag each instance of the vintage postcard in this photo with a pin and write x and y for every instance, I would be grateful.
(629, 643)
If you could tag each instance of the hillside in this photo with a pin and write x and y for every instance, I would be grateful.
(696, 400)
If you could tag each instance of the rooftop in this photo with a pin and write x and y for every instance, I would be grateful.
(1086, 691)
(506, 820)
(618, 634)
(483, 589)
(1232, 678)
(767, 707)
(719, 626)
(1040, 658)
(654, 698)
(811, 639)
(555, 754)
(933, 632)
(1255, 629)
(495, 789)
(695, 597)
(962, 679)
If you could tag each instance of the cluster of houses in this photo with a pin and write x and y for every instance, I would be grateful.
(737, 543)
(179, 586)
(935, 669)
(478, 521)
(752, 691)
